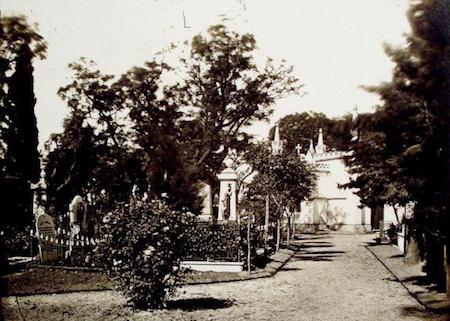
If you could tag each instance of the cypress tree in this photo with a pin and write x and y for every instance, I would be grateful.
(19, 164)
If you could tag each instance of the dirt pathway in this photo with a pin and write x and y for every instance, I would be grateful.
(333, 277)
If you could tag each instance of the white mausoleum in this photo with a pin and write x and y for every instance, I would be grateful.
(331, 206)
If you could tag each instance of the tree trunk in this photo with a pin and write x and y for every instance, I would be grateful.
(249, 256)
(278, 234)
(412, 255)
(288, 230)
(396, 213)
(266, 225)
(447, 272)
(293, 227)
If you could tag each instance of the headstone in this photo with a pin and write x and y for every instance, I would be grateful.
(227, 195)
(46, 230)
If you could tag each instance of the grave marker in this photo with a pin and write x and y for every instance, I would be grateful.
(45, 228)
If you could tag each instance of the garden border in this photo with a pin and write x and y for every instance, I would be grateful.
(277, 261)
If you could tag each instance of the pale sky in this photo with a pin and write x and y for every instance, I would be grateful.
(334, 45)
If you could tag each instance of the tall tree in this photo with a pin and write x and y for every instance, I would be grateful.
(92, 153)
(20, 44)
(226, 91)
(120, 133)
(157, 133)
(139, 115)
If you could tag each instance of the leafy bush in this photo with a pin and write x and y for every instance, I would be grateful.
(223, 242)
(213, 242)
(141, 247)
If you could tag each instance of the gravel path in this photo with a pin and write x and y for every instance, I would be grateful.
(333, 277)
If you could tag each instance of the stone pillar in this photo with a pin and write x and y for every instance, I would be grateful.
(207, 210)
(227, 195)
(39, 196)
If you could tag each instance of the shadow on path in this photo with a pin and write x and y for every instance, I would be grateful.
(370, 243)
(314, 248)
(317, 256)
(422, 280)
(207, 303)
(311, 237)
(313, 245)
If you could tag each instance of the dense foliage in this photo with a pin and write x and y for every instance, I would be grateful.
(141, 248)
(224, 242)
(287, 178)
(227, 91)
(214, 242)
(405, 155)
(119, 134)
(300, 128)
(131, 130)
(20, 44)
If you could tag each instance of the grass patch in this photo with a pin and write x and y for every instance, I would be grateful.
(37, 280)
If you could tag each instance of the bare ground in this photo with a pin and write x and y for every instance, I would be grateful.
(333, 277)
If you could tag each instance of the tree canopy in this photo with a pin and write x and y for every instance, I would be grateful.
(227, 92)
(20, 43)
(133, 129)
(300, 128)
(287, 178)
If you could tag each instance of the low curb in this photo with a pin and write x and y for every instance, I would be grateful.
(408, 276)
(277, 261)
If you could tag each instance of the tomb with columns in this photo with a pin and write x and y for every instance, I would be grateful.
(222, 207)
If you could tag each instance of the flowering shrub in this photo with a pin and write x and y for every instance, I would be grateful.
(140, 248)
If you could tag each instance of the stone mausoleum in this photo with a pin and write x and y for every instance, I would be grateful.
(331, 206)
